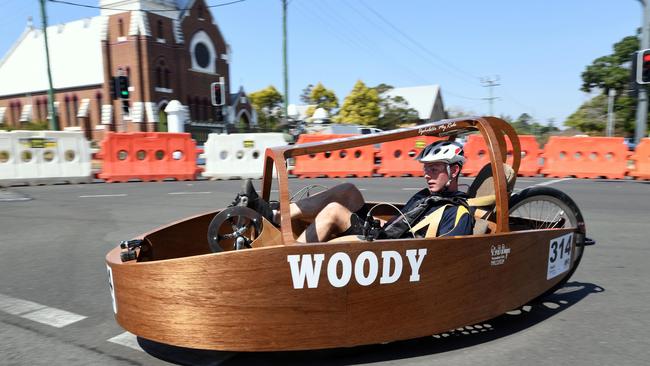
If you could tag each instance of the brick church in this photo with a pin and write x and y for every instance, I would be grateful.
(168, 49)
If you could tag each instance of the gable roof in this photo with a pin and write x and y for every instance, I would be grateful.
(421, 98)
(75, 58)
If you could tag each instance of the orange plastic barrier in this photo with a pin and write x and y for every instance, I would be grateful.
(585, 157)
(358, 161)
(148, 156)
(641, 159)
(477, 155)
(398, 157)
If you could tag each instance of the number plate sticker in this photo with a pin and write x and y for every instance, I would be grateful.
(559, 255)
(111, 287)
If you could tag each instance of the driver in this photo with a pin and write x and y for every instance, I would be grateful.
(339, 211)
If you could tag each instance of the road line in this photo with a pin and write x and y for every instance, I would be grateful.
(189, 192)
(127, 339)
(104, 195)
(553, 182)
(37, 312)
(411, 189)
(53, 317)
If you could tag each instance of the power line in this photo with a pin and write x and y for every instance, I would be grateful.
(145, 10)
(490, 84)
(418, 44)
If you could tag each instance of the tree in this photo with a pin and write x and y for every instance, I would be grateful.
(605, 73)
(360, 106)
(394, 110)
(323, 98)
(268, 104)
(305, 96)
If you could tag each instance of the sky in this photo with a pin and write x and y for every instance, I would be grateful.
(536, 48)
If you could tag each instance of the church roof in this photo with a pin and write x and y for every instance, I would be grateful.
(421, 98)
(75, 58)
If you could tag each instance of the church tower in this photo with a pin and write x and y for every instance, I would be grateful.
(164, 7)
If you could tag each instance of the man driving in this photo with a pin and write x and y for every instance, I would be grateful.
(437, 210)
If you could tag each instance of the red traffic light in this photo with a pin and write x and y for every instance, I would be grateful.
(646, 58)
(217, 94)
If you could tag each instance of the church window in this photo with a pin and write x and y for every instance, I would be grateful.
(75, 110)
(200, 11)
(120, 27)
(158, 76)
(166, 79)
(161, 34)
(202, 55)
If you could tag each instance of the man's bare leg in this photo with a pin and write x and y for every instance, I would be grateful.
(333, 219)
(346, 195)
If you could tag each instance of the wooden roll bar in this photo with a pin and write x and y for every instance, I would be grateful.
(493, 130)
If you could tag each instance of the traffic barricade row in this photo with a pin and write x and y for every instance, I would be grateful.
(585, 157)
(357, 162)
(238, 155)
(44, 157)
(148, 156)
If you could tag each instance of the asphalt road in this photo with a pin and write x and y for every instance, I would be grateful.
(55, 307)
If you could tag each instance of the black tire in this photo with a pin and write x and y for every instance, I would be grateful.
(550, 202)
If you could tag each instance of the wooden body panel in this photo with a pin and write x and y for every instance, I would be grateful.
(246, 300)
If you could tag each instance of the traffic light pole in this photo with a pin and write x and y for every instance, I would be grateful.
(54, 125)
(642, 106)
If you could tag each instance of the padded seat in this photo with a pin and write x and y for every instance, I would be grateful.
(482, 197)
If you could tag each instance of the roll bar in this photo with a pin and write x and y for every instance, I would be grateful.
(493, 130)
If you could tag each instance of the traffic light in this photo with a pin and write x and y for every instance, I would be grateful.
(217, 94)
(643, 67)
(122, 87)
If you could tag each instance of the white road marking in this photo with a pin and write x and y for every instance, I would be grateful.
(553, 182)
(37, 312)
(525, 181)
(362, 189)
(189, 192)
(127, 339)
(104, 195)
(411, 189)
(54, 317)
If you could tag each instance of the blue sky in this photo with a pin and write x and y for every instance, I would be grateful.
(538, 48)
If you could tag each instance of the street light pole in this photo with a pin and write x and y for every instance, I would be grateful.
(284, 58)
(54, 125)
(642, 102)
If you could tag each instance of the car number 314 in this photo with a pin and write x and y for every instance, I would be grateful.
(559, 255)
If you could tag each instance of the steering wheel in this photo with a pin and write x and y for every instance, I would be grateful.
(241, 219)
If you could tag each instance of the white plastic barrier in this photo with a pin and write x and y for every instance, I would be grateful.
(42, 157)
(238, 155)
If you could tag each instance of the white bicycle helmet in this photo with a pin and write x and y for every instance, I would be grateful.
(443, 151)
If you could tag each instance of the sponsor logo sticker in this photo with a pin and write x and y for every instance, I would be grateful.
(499, 254)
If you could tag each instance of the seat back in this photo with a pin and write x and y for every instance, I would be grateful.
(482, 197)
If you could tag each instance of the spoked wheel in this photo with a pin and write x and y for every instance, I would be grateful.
(548, 208)
(242, 223)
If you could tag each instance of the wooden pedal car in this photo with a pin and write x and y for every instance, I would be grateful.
(188, 283)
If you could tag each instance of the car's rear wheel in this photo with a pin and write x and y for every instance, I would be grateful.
(546, 208)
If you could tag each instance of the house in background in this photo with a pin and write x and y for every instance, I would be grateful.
(426, 100)
(168, 49)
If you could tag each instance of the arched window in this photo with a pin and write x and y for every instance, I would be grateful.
(166, 79)
(161, 34)
(98, 99)
(120, 27)
(68, 118)
(75, 111)
(158, 76)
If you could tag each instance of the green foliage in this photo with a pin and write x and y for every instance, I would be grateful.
(361, 106)
(525, 125)
(605, 73)
(394, 110)
(31, 126)
(268, 104)
(305, 96)
(323, 98)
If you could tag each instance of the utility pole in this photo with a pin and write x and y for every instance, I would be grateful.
(490, 84)
(54, 125)
(284, 58)
(642, 102)
(610, 112)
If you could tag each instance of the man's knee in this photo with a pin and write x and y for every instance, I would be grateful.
(349, 196)
(335, 215)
